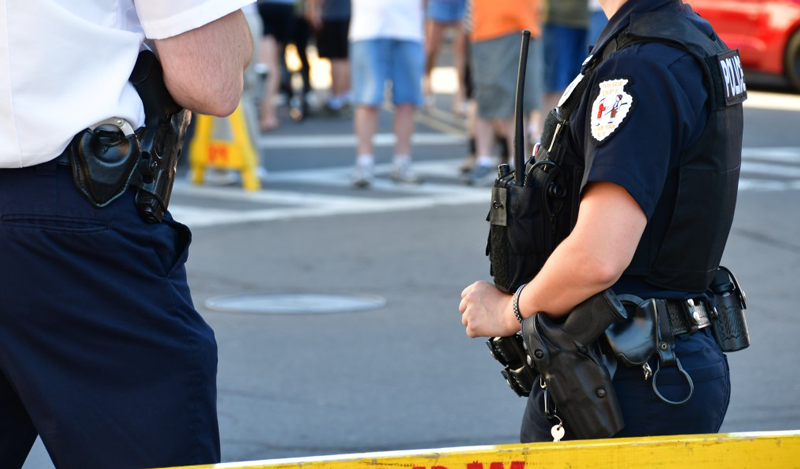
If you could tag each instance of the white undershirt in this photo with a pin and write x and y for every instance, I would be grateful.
(395, 19)
(65, 64)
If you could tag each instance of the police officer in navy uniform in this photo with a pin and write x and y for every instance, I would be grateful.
(656, 118)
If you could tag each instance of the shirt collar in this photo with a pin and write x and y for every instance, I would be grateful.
(622, 18)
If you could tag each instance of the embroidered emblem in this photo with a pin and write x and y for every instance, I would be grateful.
(570, 89)
(610, 109)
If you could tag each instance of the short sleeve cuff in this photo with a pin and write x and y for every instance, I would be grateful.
(163, 23)
(640, 191)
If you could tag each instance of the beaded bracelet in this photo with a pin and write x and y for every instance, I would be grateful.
(517, 314)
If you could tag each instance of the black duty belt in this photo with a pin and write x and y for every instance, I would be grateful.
(687, 316)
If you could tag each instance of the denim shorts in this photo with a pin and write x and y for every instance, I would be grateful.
(446, 11)
(373, 62)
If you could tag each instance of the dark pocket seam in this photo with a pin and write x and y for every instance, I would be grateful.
(51, 223)
(169, 270)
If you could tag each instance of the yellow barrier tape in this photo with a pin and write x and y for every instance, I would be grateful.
(756, 450)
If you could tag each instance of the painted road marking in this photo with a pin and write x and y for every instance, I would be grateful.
(304, 205)
(349, 141)
(763, 170)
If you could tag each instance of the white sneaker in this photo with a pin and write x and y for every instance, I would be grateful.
(363, 174)
(402, 172)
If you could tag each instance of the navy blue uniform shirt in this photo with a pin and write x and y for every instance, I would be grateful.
(642, 107)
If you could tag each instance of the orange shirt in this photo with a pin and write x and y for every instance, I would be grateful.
(495, 18)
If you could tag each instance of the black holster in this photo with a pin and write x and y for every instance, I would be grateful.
(510, 352)
(568, 358)
(105, 162)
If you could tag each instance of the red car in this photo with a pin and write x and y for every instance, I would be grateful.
(766, 32)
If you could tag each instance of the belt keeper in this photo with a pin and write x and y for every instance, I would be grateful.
(666, 340)
(666, 354)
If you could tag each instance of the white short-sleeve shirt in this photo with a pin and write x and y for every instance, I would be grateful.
(393, 19)
(65, 64)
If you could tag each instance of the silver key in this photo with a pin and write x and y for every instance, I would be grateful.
(558, 432)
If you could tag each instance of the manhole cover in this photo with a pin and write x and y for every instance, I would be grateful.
(294, 304)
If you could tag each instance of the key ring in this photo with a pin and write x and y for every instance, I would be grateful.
(685, 374)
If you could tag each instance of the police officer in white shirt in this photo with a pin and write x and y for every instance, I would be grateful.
(101, 352)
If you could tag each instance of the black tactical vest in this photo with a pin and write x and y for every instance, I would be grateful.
(683, 242)
(682, 250)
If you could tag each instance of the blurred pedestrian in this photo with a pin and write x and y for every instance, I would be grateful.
(330, 20)
(441, 16)
(278, 17)
(495, 50)
(298, 99)
(564, 36)
(471, 107)
(386, 39)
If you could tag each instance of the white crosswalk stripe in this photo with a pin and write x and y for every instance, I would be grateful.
(763, 169)
(770, 169)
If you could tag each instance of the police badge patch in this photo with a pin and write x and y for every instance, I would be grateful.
(610, 109)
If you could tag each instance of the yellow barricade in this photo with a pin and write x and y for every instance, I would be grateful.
(756, 450)
(236, 152)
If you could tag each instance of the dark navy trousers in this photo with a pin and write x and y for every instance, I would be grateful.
(101, 350)
(644, 413)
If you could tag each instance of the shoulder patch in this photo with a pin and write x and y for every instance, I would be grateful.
(611, 108)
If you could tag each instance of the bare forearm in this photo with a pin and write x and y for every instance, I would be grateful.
(203, 68)
(591, 259)
(569, 277)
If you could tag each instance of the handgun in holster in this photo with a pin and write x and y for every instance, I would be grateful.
(567, 356)
(109, 157)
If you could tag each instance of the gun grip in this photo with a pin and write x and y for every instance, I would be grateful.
(591, 318)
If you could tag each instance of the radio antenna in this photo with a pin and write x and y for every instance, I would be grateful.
(519, 124)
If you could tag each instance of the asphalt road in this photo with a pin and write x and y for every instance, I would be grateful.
(405, 375)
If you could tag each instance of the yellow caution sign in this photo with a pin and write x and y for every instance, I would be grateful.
(732, 450)
(224, 143)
